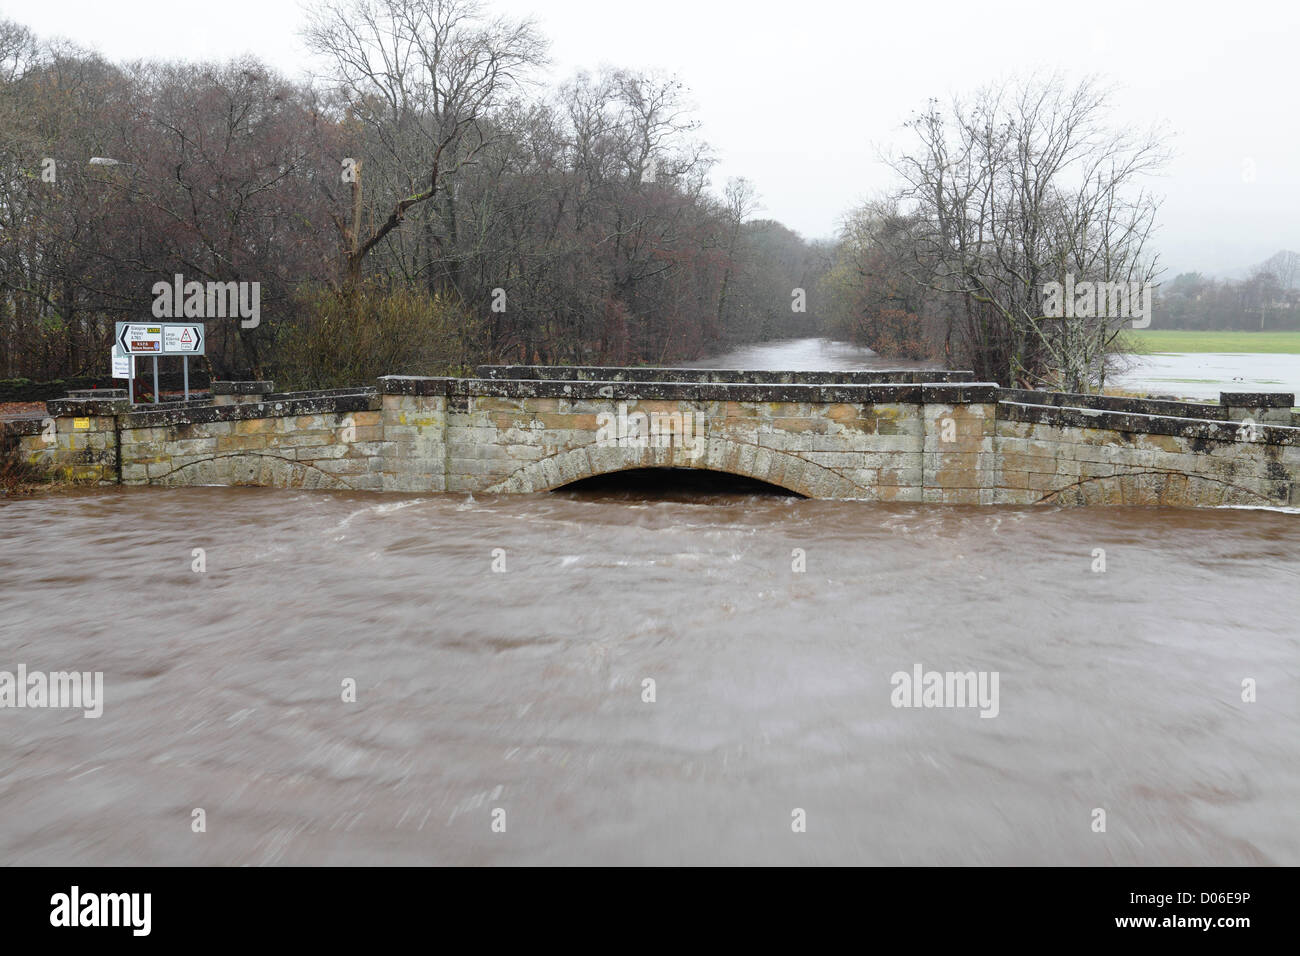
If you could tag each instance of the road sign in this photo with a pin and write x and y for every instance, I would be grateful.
(140, 339)
(157, 338)
(161, 338)
(182, 340)
(121, 364)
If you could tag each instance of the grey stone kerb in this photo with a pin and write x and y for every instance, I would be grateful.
(243, 388)
(232, 393)
(1273, 408)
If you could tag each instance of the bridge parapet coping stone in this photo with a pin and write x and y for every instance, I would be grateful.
(201, 414)
(230, 393)
(597, 373)
(105, 394)
(319, 393)
(1273, 408)
(915, 394)
(20, 427)
(1145, 424)
(1114, 403)
(82, 407)
(262, 387)
(1258, 399)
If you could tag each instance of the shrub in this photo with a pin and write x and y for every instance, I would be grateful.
(337, 340)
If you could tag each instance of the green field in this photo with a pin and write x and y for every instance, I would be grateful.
(1181, 340)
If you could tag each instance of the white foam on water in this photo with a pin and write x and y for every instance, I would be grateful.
(1284, 509)
(394, 506)
(377, 509)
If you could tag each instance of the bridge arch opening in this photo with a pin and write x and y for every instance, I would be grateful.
(740, 459)
(670, 484)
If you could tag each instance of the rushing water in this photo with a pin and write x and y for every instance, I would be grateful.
(522, 689)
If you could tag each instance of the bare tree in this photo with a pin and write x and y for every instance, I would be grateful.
(419, 77)
(1285, 267)
(740, 201)
(1016, 189)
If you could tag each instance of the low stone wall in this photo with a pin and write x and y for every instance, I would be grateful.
(955, 442)
(1142, 406)
(76, 442)
(303, 442)
(1081, 456)
(1273, 408)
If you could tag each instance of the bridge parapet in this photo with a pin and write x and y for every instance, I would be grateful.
(1141, 423)
(933, 441)
(918, 393)
(1145, 406)
(232, 393)
(601, 373)
(1260, 407)
(1271, 407)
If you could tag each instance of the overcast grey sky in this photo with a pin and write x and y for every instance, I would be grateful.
(798, 96)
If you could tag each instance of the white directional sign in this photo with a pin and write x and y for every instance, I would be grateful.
(122, 364)
(161, 338)
(182, 340)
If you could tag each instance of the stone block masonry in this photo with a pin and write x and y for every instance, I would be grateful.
(895, 435)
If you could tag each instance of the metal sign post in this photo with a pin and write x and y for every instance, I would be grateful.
(161, 338)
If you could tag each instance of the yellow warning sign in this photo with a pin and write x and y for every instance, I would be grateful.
(82, 424)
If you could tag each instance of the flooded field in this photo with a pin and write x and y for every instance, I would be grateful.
(1203, 375)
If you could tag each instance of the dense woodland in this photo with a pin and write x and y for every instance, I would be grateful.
(427, 204)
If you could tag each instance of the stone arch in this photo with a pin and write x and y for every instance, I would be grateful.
(272, 471)
(783, 469)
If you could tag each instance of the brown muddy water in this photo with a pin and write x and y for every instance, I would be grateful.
(522, 690)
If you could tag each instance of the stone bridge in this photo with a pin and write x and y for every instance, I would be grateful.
(909, 435)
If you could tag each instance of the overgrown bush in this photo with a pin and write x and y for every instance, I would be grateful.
(17, 477)
(338, 340)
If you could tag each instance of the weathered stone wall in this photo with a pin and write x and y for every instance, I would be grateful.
(76, 442)
(877, 438)
(415, 441)
(305, 442)
(960, 454)
(513, 435)
(1087, 456)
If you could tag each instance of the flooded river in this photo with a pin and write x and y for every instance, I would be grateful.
(501, 649)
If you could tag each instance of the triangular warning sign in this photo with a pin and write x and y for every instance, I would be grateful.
(185, 336)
